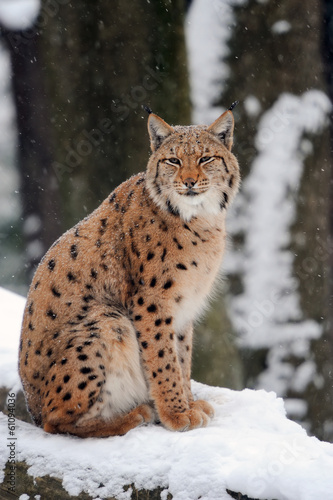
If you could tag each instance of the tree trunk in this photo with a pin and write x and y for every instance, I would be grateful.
(80, 77)
(271, 62)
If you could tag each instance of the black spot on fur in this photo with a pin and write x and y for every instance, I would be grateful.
(179, 246)
(153, 282)
(181, 266)
(85, 370)
(93, 274)
(82, 385)
(167, 285)
(59, 389)
(137, 318)
(112, 198)
(140, 301)
(172, 210)
(193, 263)
(51, 265)
(139, 181)
(152, 308)
(161, 353)
(158, 336)
(37, 352)
(163, 226)
(70, 276)
(82, 357)
(51, 314)
(88, 298)
(150, 255)
(73, 252)
(158, 322)
(163, 254)
(64, 361)
(66, 378)
(55, 292)
(144, 344)
(49, 353)
(168, 321)
(67, 396)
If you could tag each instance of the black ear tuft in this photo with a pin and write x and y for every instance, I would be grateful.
(234, 104)
(149, 111)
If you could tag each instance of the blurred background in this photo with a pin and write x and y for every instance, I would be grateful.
(73, 78)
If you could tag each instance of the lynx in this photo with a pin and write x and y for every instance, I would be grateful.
(106, 339)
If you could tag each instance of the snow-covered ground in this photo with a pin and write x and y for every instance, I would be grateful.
(250, 446)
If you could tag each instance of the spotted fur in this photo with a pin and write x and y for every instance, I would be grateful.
(107, 332)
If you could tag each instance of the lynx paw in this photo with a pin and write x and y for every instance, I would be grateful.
(146, 413)
(197, 416)
(202, 405)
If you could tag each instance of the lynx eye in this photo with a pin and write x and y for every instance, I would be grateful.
(206, 159)
(174, 161)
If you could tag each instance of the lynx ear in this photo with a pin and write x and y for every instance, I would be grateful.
(223, 128)
(158, 131)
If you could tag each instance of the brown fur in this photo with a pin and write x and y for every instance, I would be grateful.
(107, 332)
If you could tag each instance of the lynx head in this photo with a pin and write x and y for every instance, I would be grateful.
(191, 171)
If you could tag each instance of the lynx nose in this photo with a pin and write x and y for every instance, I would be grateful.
(189, 182)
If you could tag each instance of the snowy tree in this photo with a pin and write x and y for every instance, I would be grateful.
(80, 77)
(269, 56)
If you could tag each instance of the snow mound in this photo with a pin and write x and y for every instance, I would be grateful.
(249, 446)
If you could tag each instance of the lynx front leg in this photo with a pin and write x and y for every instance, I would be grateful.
(162, 364)
(184, 349)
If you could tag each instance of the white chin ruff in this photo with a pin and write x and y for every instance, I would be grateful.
(194, 206)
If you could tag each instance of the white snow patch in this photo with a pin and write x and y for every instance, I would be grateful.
(250, 446)
(281, 27)
(18, 14)
(32, 225)
(11, 312)
(268, 312)
(297, 408)
(208, 29)
(9, 202)
(252, 106)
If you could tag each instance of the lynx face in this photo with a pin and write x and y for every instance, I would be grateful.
(192, 171)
